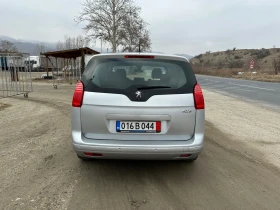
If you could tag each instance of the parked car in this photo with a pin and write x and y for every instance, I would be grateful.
(147, 115)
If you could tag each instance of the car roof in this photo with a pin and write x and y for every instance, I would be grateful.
(157, 56)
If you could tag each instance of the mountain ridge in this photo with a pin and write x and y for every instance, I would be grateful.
(31, 46)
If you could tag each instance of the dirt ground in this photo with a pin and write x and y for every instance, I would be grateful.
(238, 169)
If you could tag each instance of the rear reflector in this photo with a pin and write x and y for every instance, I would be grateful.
(185, 155)
(78, 95)
(158, 127)
(198, 97)
(93, 154)
(139, 56)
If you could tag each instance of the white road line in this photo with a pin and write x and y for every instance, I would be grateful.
(252, 87)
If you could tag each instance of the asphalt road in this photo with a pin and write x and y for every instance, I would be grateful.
(266, 93)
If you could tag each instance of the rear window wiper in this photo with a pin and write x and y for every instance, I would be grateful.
(152, 87)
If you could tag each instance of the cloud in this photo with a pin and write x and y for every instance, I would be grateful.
(209, 44)
(181, 26)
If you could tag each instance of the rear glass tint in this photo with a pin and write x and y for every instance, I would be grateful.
(119, 75)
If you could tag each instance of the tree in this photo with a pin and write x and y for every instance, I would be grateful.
(59, 45)
(40, 48)
(134, 34)
(116, 21)
(72, 43)
(7, 46)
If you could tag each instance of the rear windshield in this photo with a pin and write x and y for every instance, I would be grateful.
(123, 75)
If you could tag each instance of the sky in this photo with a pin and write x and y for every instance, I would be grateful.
(176, 26)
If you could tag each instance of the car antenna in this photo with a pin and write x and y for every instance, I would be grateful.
(139, 47)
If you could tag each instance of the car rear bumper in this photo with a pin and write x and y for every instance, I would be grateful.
(140, 150)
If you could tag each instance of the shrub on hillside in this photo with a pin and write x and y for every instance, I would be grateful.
(235, 64)
(237, 57)
(261, 53)
(198, 56)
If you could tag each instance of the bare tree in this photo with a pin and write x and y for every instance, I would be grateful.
(7, 46)
(135, 37)
(73, 43)
(40, 48)
(59, 45)
(108, 19)
(82, 42)
(67, 42)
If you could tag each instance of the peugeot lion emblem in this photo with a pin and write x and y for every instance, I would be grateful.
(138, 94)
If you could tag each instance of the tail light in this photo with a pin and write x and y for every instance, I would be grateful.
(78, 95)
(139, 56)
(185, 155)
(198, 97)
(93, 154)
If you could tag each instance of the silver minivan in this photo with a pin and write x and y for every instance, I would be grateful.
(138, 106)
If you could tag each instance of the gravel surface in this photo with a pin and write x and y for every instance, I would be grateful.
(247, 123)
(238, 169)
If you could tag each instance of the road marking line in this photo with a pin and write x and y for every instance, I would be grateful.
(252, 87)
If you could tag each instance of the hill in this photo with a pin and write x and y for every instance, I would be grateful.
(235, 63)
(264, 59)
(26, 46)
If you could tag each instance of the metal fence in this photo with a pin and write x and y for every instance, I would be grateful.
(70, 73)
(15, 74)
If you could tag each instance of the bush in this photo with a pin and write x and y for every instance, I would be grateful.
(198, 56)
(234, 49)
(261, 53)
(237, 57)
(235, 64)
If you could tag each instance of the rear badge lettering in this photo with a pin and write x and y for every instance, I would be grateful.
(187, 111)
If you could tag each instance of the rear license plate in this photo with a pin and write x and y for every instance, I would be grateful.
(138, 127)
